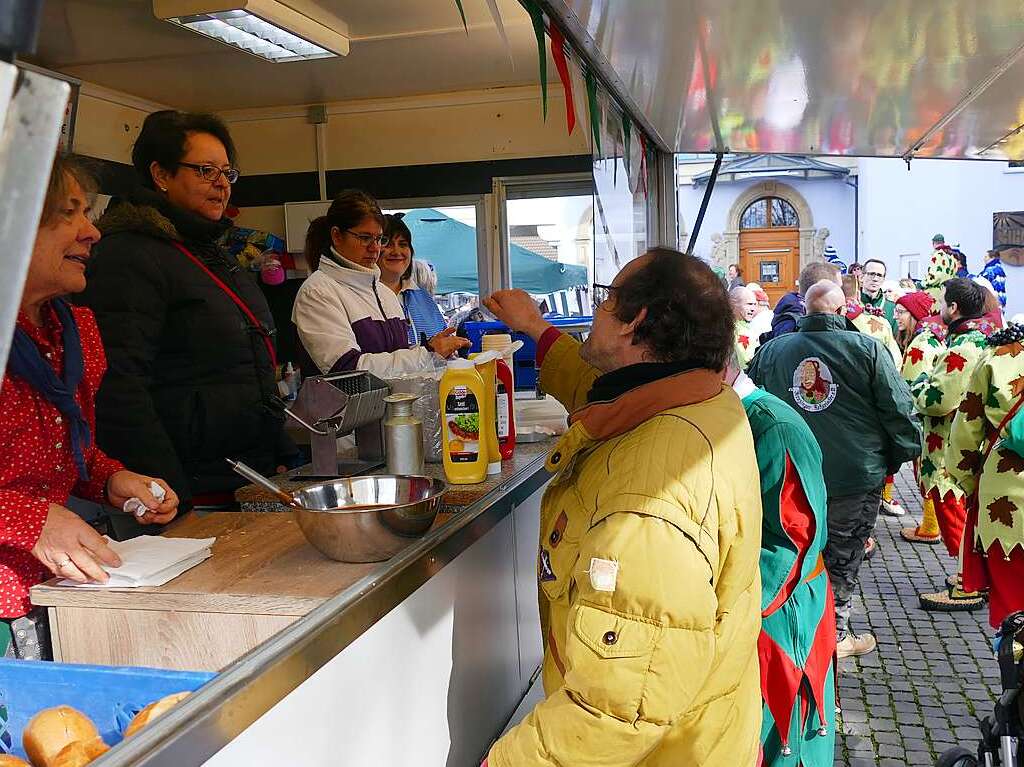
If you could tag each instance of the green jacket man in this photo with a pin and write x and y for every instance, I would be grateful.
(847, 389)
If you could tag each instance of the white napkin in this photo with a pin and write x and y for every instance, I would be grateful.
(151, 560)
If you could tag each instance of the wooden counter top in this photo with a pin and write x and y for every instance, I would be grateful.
(255, 498)
(261, 564)
(262, 577)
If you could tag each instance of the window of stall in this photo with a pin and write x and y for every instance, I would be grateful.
(447, 236)
(547, 242)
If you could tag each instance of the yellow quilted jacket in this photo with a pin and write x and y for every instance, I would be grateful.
(655, 665)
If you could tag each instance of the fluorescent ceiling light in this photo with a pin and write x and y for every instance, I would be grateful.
(275, 30)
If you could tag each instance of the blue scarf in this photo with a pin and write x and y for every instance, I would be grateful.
(26, 362)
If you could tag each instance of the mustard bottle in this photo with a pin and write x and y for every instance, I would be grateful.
(463, 398)
(487, 366)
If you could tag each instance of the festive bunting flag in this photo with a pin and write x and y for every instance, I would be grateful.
(579, 92)
(558, 54)
(627, 149)
(462, 13)
(643, 163)
(496, 15)
(595, 114)
(537, 16)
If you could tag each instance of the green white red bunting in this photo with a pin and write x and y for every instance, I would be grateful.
(562, 65)
(462, 13)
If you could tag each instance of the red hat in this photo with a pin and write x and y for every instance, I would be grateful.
(919, 304)
(761, 296)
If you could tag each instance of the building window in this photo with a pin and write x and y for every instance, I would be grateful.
(769, 212)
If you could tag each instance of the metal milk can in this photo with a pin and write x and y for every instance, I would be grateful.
(403, 435)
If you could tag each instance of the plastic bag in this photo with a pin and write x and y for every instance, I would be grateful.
(427, 408)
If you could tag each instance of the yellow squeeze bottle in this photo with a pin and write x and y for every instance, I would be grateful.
(487, 366)
(463, 398)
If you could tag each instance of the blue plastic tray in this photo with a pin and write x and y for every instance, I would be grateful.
(109, 696)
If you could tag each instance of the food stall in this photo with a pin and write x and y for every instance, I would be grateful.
(423, 658)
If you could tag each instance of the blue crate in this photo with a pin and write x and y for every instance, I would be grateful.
(110, 696)
(524, 360)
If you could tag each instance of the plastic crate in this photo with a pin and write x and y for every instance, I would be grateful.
(110, 696)
(524, 360)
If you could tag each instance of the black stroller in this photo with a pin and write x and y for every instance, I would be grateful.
(1002, 732)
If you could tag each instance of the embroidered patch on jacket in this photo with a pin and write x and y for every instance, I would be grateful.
(813, 389)
(603, 574)
(544, 571)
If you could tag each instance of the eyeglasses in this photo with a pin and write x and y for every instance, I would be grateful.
(600, 293)
(366, 240)
(211, 172)
(879, 275)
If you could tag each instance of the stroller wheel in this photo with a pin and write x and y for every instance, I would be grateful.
(957, 757)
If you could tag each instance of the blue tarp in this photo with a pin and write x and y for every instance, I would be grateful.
(450, 246)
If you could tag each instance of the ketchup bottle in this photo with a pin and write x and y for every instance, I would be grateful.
(505, 410)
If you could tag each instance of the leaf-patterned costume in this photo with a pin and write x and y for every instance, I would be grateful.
(994, 553)
(747, 342)
(937, 395)
(874, 324)
(941, 269)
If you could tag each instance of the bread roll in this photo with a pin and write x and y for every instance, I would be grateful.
(49, 731)
(80, 753)
(152, 711)
(10, 760)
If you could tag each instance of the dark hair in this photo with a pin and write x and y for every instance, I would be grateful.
(851, 287)
(960, 257)
(815, 272)
(164, 136)
(855, 265)
(689, 318)
(968, 296)
(876, 261)
(739, 272)
(395, 226)
(349, 208)
(65, 167)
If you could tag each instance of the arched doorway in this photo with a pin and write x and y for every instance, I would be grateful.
(770, 245)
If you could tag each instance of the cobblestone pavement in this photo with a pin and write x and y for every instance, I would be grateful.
(933, 676)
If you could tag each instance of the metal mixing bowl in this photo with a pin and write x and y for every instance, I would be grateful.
(409, 506)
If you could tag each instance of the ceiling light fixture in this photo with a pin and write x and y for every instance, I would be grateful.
(295, 30)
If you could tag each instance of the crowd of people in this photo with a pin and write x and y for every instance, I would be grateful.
(690, 615)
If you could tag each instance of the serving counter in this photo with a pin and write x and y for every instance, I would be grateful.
(439, 643)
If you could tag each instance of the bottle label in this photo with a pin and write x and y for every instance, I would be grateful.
(462, 420)
(501, 412)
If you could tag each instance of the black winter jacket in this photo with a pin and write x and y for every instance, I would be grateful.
(189, 382)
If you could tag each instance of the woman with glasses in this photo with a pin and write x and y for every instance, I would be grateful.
(189, 335)
(346, 316)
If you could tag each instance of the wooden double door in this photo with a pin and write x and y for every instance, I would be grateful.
(771, 258)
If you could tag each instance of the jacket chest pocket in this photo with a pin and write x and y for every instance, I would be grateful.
(561, 532)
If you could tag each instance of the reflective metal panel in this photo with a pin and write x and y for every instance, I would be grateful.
(863, 77)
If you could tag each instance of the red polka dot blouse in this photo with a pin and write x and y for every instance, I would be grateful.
(36, 463)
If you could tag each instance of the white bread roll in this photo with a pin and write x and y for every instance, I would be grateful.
(152, 711)
(49, 731)
(10, 760)
(80, 753)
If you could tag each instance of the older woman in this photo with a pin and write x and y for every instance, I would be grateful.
(347, 319)
(188, 334)
(47, 417)
(396, 271)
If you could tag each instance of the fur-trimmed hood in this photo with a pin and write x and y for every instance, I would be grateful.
(147, 213)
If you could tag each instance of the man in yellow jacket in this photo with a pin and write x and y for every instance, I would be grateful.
(650, 533)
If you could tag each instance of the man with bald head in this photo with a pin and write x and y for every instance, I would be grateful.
(847, 388)
(744, 309)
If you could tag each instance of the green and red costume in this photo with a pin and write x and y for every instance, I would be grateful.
(798, 633)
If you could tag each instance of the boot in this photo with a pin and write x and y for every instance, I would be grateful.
(928, 530)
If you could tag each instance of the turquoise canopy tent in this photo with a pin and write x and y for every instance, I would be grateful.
(450, 246)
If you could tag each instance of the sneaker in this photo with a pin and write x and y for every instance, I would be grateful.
(893, 508)
(856, 644)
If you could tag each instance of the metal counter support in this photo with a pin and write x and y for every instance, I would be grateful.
(211, 718)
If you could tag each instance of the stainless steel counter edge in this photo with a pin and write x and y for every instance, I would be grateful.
(208, 720)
